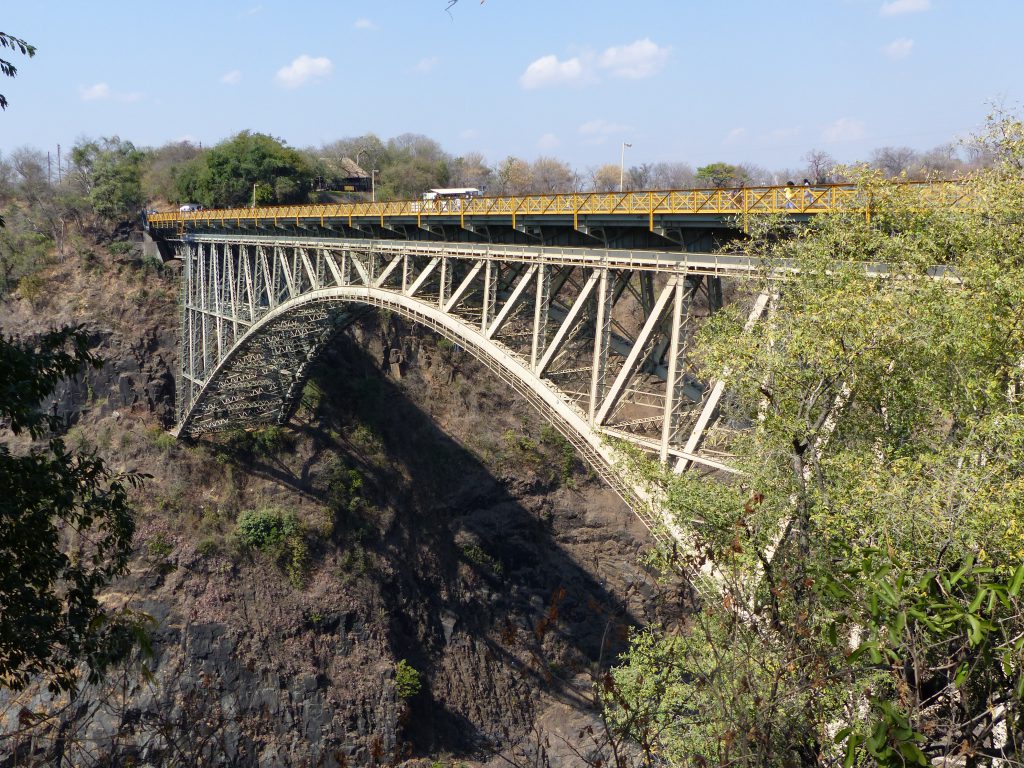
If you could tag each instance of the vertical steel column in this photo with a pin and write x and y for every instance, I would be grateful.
(267, 270)
(674, 379)
(405, 273)
(446, 281)
(202, 307)
(187, 363)
(541, 305)
(234, 279)
(602, 341)
(492, 273)
(346, 268)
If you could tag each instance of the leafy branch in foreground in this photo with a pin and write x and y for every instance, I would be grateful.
(66, 529)
(866, 606)
(6, 67)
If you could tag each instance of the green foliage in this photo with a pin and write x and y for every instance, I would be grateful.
(23, 252)
(720, 175)
(407, 680)
(208, 547)
(108, 172)
(475, 554)
(265, 528)
(869, 562)
(224, 176)
(280, 534)
(67, 530)
(159, 546)
(564, 452)
(6, 67)
(161, 439)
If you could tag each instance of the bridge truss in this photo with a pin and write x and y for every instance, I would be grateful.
(597, 340)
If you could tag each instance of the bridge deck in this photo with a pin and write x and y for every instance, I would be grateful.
(655, 211)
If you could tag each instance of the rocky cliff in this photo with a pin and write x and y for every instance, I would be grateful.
(453, 583)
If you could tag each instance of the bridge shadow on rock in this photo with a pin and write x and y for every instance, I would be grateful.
(504, 588)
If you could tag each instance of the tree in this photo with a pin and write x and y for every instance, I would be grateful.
(7, 68)
(672, 176)
(718, 175)
(893, 161)
(866, 602)
(513, 176)
(161, 167)
(471, 170)
(108, 172)
(65, 529)
(224, 176)
(819, 165)
(550, 176)
(605, 178)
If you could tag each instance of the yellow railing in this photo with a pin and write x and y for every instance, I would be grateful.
(722, 202)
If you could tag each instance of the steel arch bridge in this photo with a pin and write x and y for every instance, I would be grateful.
(595, 340)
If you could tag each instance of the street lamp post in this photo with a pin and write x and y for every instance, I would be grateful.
(373, 185)
(622, 163)
(254, 185)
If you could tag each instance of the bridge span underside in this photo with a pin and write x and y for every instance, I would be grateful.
(596, 340)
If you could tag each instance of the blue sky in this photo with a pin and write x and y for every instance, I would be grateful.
(732, 80)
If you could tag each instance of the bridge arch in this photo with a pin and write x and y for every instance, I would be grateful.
(333, 311)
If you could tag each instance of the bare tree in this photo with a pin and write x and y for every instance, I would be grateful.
(604, 178)
(672, 176)
(549, 175)
(471, 170)
(894, 161)
(820, 166)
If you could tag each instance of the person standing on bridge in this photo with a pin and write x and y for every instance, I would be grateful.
(808, 194)
(789, 192)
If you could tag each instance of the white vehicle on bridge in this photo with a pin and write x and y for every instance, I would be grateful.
(447, 199)
(188, 207)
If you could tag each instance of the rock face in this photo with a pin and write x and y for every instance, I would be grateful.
(442, 525)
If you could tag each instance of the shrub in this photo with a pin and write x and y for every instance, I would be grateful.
(407, 680)
(31, 287)
(120, 248)
(476, 555)
(208, 547)
(161, 440)
(159, 546)
(280, 534)
(264, 528)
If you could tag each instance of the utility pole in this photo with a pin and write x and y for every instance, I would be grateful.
(58, 164)
(622, 163)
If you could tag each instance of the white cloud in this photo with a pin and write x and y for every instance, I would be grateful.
(602, 128)
(639, 59)
(899, 48)
(233, 77)
(364, 24)
(897, 7)
(636, 60)
(103, 92)
(95, 92)
(734, 135)
(427, 64)
(843, 129)
(303, 70)
(547, 141)
(548, 70)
